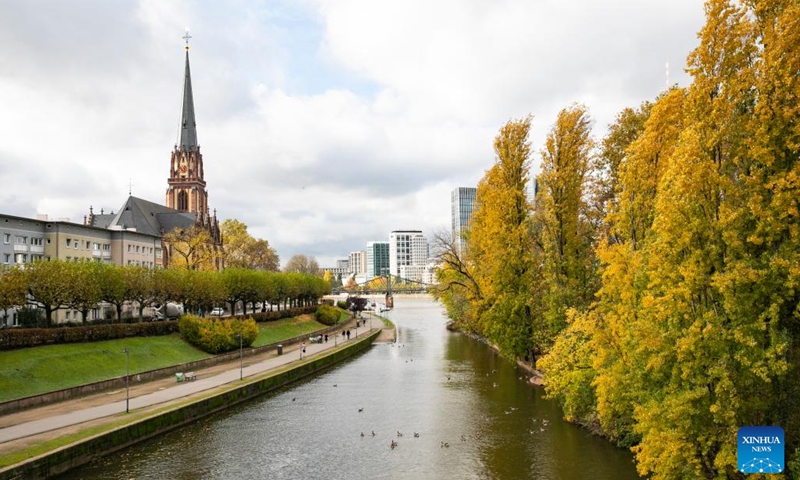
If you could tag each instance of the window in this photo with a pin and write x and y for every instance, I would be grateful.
(37, 241)
(69, 242)
(67, 314)
(137, 248)
(48, 241)
(88, 245)
(76, 244)
(6, 238)
(96, 246)
(129, 248)
(22, 240)
(7, 258)
(106, 247)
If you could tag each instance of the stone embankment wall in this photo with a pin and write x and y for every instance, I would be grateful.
(84, 451)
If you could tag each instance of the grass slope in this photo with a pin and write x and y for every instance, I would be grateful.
(271, 332)
(31, 371)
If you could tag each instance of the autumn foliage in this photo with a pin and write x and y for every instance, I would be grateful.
(655, 276)
(217, 335)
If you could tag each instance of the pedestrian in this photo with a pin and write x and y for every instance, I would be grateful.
(348, 334)
(343, 334)
(304, 348)
(326, 338)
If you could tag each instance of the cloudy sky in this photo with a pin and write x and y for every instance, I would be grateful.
(323, 124)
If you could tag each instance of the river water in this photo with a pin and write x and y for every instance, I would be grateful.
(463, 413)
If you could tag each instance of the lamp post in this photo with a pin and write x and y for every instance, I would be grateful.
(241, 362)
(127, 353)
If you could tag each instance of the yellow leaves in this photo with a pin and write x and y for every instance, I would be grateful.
(191, 249)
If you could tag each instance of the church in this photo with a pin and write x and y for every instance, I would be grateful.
(186, 206)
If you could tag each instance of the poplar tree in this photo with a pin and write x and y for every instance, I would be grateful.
(562, 217)
(700, 363)
(500, 244)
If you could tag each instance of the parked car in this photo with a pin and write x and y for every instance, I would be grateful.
(217, 312)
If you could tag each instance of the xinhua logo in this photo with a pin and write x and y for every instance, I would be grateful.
(760, 450)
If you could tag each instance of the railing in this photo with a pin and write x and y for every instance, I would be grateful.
(20, 248)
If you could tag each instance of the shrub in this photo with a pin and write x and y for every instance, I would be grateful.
(327, 315)
(342, 304)
(214, 335)
(11, 338)
(279, 314)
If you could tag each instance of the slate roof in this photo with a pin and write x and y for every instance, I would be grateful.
(146, 217)
(188, 123)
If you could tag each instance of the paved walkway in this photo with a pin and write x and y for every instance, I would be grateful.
(176, 390)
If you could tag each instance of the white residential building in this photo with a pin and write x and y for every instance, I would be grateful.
(407, 247)
(358, 262)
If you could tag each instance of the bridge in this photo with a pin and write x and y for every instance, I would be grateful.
(387, 284)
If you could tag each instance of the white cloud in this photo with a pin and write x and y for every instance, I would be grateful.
(324, 124)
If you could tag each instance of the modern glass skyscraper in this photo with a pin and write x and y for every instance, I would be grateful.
(377, 259)
(462, 204)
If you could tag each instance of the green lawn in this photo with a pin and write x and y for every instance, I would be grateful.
(31, 371)
(271, 332)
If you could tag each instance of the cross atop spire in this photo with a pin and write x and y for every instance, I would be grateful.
(188, 124)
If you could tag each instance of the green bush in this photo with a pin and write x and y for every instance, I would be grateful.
(277, 314)
(11, 338)
(327, 315)
(217, 335)
(342, 304)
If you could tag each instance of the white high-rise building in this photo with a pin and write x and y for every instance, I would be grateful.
(462, 204)
(407, 247)
(358, 262)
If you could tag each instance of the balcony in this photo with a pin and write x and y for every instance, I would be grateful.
(21, 248)
(96, 253)
(37, 249)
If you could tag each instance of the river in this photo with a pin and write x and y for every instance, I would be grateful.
(463, 412)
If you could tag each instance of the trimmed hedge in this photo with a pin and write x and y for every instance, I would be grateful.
(11, 338)
(217, 335)
(278, 314)
(327, 315)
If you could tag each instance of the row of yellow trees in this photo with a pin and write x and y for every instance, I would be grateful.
(55, 284)
(655, 278)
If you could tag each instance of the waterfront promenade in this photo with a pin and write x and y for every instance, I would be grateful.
(23, 429)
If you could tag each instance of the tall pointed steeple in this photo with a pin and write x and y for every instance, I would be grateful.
(186, 190)
(188, 123)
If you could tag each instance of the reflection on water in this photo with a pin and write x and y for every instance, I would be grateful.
(474, 415)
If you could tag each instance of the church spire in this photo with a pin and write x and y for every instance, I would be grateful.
(188, 124)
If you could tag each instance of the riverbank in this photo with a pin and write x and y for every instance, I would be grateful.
(537, 376)
(53, 451)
